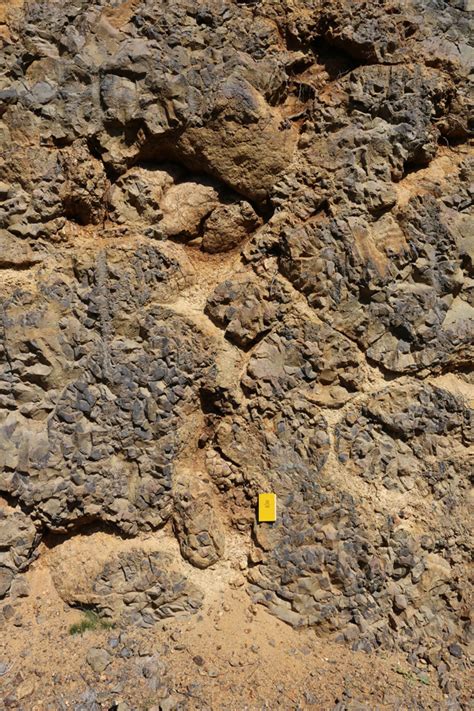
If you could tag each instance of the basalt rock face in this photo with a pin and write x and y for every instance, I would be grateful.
(236, 242)
(96, 380)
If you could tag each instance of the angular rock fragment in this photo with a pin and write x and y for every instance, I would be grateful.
(98, 659)
(227, 226)
(15, 254)
(135, 197)
(185, 207)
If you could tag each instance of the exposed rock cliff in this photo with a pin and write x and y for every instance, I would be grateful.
(236, 255)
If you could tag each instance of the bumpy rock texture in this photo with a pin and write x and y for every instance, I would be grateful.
(237, 255)
(132, 583)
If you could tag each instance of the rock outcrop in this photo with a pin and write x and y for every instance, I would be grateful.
(236, 255)
(128, 583)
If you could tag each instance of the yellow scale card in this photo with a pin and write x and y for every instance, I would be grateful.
(267, 507)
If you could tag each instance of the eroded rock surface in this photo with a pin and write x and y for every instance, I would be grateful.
(381, 574)
(198, 528)
(18, 542)
(236, 252)
(93, 396)
(128, 583)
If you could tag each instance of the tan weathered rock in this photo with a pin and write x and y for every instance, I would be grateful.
(228, 226)
(19, 539)
(197, 525)
(135, 197)
(246, 147)
(83, 192)
(132, 582)
(185, 207)
(16, 254)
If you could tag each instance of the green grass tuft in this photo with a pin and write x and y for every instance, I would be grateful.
(90, 622)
